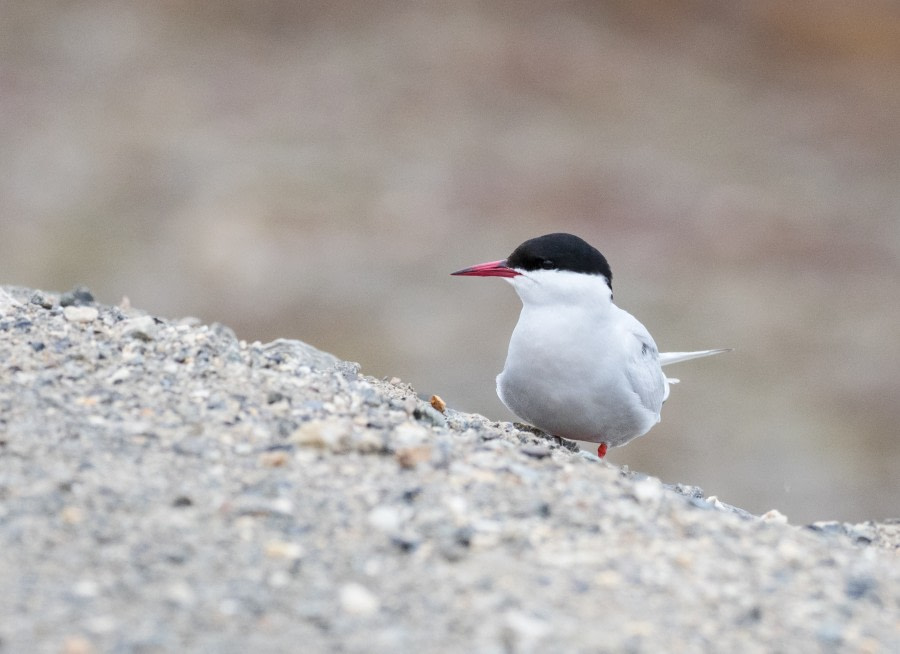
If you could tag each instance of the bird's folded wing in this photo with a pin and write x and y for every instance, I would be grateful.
(645, 375)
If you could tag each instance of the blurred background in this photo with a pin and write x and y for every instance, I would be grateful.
(314, 170)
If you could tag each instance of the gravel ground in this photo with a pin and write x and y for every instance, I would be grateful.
(166, 487)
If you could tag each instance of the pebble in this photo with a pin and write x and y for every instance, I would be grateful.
(86, 588)
(181, 594)
(774, 515)
(77, 645)
(535, 451)
(143, 328)
(326, 434)
(80, 314)
(78, 296)
(410, 457)
(279, 549)
(274, 459)
(356, 599)
(524, 631)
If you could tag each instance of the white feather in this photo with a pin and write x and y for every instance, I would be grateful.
(665, 358)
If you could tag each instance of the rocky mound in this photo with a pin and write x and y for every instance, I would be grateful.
(165, 486)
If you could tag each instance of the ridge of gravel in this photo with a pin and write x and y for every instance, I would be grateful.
(165, 486)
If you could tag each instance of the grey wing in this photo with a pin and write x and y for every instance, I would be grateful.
(645, 374)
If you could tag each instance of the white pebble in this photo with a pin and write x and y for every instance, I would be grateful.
(81, 314)
(386, 518)
(775, 516)
(358, 600)
(647, 491)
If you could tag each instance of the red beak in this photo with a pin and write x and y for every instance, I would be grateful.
(490, 269)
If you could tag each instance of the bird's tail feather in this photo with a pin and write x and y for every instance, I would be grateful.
(665, 358)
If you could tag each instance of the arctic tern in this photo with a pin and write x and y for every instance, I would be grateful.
(578, 366)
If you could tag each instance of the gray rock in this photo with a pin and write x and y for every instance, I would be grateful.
(144, 328)
(78, 313)
(78, 297)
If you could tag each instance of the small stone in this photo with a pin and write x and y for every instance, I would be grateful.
(191, 446)
(119, 375)
(181, 594)
(386, 518)
(326, 434)
(407, 541)
(72, 515)
(438, 403)
(715, 502)
(280, 549)
(647, 491)
(41, 300)
(863, 534)
(860, 586)
(827, 527)
(536, 451)
(143, 328)
(260, 506)
(78, 296)
(410, 457)
(524, 630)
(77, 645)
(86, 588)
(608, 579)
(774, 516)
(80, 314)
(274, 459)
(688, 491)
(356, 599)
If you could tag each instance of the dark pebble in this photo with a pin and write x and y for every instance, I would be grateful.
(858, 587)
(536, 451)
(78, 296)
(41, 300)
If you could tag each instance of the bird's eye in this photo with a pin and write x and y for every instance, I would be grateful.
(546, 264)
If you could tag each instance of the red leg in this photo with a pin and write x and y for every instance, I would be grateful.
(601, 450)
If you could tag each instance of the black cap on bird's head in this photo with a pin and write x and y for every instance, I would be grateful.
(559, 251)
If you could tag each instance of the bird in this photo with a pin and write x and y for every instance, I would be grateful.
(578, 366)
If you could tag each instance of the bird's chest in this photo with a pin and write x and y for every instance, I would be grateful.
(552, 347)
